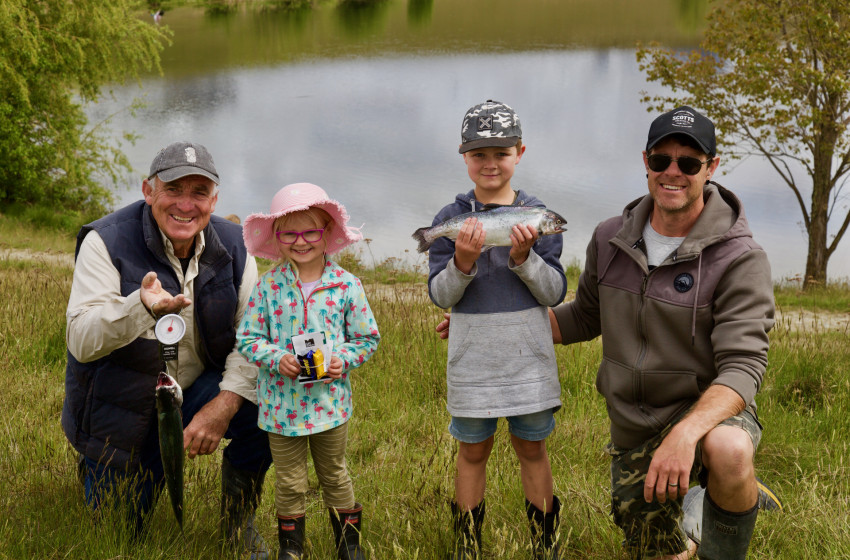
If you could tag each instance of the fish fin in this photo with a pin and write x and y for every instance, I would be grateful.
(419, 236)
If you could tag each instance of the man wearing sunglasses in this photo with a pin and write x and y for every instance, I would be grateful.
(683, 299)
(164, 254)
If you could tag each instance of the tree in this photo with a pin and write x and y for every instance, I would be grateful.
(54, 56)
(773, 76)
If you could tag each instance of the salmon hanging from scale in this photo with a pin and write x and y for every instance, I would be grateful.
(169, 400)
(497, 222)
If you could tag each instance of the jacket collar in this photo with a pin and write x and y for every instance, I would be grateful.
(722, 218)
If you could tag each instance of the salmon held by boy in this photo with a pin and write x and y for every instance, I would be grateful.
(498, 223)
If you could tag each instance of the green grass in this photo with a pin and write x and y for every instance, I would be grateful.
(834, 297)
(400, 454)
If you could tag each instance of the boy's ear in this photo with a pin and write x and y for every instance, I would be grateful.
(520, 152)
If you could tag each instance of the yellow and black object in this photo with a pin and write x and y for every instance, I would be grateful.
(312, 364)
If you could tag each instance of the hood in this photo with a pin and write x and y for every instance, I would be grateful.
(722, 218)
(468, 203)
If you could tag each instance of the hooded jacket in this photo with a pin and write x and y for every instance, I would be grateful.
(699, 318)
(500, 357)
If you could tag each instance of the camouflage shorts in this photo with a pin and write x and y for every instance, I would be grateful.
(653, 529)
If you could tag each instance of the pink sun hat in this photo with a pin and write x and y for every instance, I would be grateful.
(258, 230)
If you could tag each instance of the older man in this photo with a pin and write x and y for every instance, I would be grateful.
(164, 254)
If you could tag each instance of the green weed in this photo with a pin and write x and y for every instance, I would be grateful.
(400, 454)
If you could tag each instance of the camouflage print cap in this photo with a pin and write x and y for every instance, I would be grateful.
(489, 124)
(181, 159)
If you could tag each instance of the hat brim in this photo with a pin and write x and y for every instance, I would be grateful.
(258, 230)
(168, 175)
(491, 142)
(693, 137)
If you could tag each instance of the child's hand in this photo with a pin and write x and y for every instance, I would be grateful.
(334, 369)
(523, 238)
(443, 327)
(468, 244)
(288, 366)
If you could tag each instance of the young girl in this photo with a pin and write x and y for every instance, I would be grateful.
(305, 300)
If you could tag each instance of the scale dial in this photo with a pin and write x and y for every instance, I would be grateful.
(170, 329)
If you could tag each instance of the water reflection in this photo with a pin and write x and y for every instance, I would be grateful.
(419, 12)
(358, 18)
(373, 114)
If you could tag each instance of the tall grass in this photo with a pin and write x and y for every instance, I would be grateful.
(400, 455)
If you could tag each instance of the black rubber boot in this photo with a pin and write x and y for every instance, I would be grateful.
(544, 529)
(725, 535)
(347, 526)
(467, 526)
(240, 496)
(290, 535)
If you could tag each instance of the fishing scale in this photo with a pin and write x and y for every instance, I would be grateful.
(169, 330)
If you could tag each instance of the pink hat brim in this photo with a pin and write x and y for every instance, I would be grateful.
(258, 230)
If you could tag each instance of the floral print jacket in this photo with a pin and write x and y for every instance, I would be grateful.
(278, 309)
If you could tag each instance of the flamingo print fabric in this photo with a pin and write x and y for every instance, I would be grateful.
(278, 310)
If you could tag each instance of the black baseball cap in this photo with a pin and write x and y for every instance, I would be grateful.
(687, 121)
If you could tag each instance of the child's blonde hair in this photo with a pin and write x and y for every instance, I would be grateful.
(320, 219)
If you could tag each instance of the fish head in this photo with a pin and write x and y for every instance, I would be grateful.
(165, 384)
(552, 223)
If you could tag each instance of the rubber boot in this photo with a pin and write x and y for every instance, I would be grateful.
(290, 535)
(725, 535)
(544, 530)
(240, 496)
(347, 526)
(467, 526)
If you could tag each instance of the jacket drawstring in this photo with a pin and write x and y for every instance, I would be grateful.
(696, 300)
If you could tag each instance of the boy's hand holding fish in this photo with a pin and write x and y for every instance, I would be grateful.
(470, 240)
(523, 238)
(471, 237)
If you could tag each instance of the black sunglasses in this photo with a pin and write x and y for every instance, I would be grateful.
(687, 165)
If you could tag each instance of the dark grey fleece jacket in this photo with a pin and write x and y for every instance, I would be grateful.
(699, 318)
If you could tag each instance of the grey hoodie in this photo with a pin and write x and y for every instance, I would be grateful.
(699, 318)
(501, 361)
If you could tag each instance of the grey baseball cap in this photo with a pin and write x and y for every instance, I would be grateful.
(181, 159)
(489, 124)
(687, 121)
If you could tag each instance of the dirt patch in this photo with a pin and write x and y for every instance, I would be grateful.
(403, 293)
(820, 321)
(795, 320)
(48, 257)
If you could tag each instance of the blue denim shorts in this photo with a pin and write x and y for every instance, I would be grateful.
(530, 427)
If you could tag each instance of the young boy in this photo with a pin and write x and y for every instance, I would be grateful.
(501, 362)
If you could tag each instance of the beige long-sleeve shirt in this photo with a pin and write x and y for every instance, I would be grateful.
(100, 320)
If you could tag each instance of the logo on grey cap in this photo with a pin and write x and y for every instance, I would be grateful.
(485, 123)
(191, 157)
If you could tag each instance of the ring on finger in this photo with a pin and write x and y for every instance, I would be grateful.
(673, 484)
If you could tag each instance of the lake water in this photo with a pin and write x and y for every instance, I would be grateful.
(367, 103)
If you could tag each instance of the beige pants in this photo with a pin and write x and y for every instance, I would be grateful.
(290, 464)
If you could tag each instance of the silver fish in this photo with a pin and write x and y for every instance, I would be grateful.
(497, 223)
(169, 400)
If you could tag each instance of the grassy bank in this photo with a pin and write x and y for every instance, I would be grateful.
(400, 455)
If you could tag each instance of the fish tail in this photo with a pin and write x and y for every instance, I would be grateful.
(419, 236)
